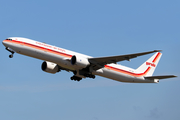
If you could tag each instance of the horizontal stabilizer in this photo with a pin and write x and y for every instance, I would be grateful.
(160, 77)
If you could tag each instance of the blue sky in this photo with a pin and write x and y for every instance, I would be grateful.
(96, 28)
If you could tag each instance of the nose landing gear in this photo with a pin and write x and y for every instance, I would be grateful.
(11, 56)
(11, 51)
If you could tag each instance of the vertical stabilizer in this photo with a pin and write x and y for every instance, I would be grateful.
(148, 67)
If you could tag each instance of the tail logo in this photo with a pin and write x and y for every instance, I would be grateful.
(150, 64)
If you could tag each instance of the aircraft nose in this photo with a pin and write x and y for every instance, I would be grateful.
(4, 42)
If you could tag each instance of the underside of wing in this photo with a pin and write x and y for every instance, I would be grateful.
(99, 62)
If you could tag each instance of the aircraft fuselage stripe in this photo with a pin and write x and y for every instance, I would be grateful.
(40, 48)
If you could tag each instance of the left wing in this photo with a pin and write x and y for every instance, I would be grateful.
(99, 62)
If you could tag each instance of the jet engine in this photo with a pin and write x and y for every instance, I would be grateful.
(79, 62)
(50, 67)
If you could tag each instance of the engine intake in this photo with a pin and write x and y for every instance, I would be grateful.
(50, 67)
(79, 62)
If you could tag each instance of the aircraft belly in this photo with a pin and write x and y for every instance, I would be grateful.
(116, 76)
(123, 77)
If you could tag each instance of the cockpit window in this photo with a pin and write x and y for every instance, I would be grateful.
(8, 39)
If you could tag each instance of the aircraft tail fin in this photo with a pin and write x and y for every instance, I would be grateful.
(148, 67)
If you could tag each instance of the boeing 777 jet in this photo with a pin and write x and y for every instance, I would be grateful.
(83, 66)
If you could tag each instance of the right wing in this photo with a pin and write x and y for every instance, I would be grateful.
(99, 62)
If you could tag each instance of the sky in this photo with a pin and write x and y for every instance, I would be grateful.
(96, 28)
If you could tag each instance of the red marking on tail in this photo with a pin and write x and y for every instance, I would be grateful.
(151, 64)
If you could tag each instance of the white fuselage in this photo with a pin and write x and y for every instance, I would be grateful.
(62, 57)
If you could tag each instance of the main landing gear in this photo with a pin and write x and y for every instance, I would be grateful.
(90, 76)
(75, 78)
(10, 56)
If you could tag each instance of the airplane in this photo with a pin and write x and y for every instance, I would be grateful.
(83, 66)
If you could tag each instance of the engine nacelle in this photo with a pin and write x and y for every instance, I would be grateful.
(50, 67)
(79, 62)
